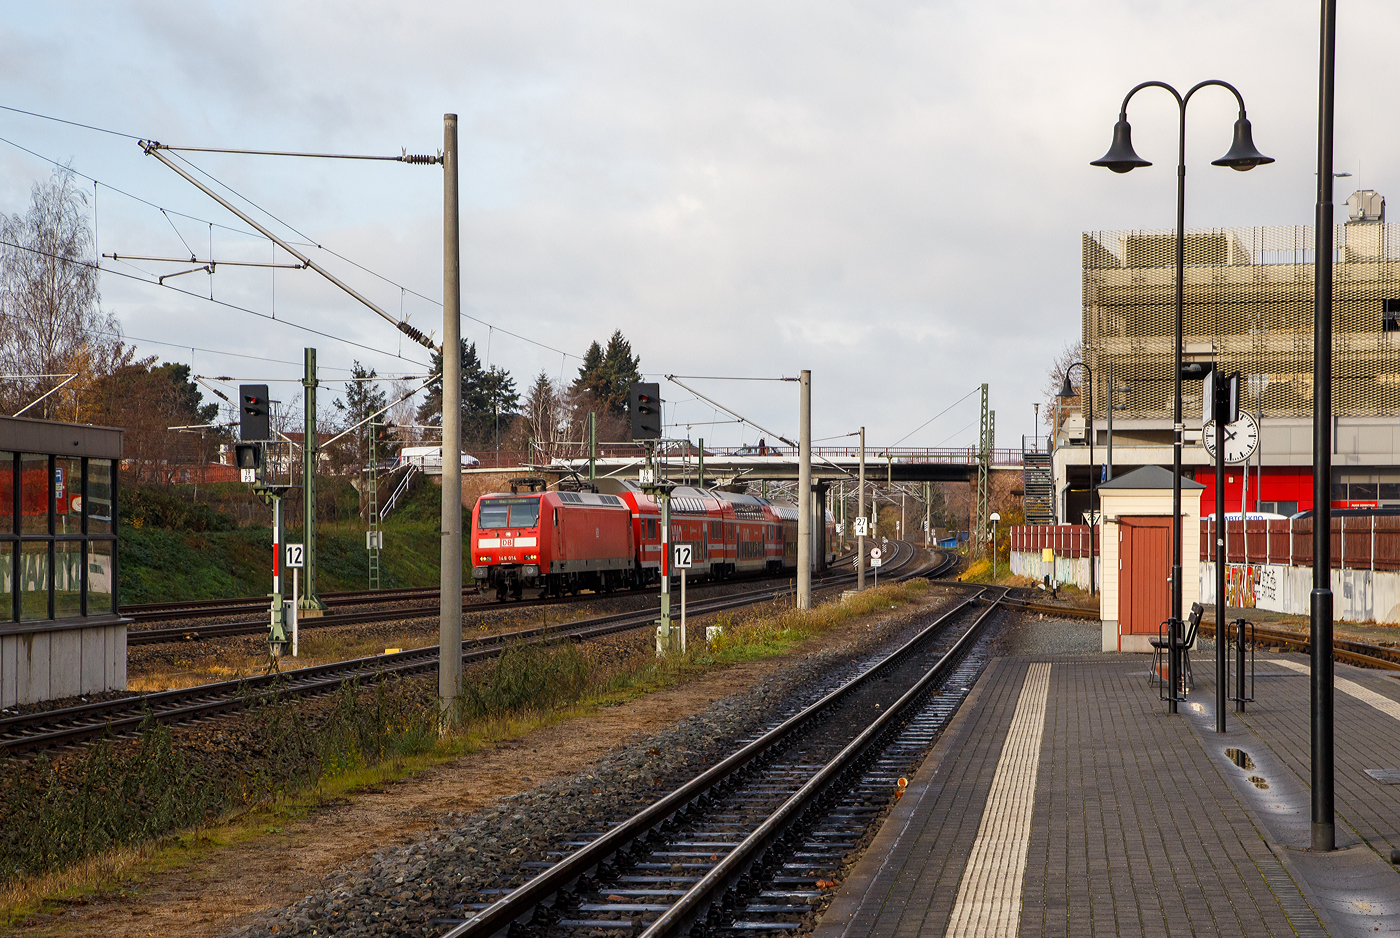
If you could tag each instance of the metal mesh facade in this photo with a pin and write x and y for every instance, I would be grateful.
(1248, 296)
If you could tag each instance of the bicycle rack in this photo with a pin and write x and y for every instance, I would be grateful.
(1236, 637)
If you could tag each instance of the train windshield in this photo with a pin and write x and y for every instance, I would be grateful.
(509, 512)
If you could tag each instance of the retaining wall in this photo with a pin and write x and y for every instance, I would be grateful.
(1072, 570)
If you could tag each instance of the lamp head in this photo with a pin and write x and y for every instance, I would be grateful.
(1242, 156)
(1120, 156)
(1066, 390)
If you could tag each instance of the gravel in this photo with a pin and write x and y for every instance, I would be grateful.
(1037, 634)
(413, 889)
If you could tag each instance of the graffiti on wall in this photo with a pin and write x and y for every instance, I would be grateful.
(1240, 583)
(1250, 586)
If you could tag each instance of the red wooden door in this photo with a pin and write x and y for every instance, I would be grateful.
(1144, 591)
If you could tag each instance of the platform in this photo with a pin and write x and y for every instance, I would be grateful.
(1064, 801)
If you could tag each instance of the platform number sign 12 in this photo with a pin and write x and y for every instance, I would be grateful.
(296, 555)
(681, 556)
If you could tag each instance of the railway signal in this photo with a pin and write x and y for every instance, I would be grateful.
(644, 409)
(254, 412)
(248, 458)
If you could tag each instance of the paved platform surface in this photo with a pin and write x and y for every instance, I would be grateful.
(1064, 801)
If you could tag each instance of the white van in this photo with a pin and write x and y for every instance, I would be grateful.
(429, 458)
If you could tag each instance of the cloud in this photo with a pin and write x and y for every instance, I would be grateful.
(890, 195)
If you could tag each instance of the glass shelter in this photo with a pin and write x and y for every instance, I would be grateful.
(60, 632)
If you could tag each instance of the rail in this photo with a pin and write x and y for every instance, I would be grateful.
(543, 888)
(52, 728)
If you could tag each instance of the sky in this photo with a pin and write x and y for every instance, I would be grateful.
(890, 195)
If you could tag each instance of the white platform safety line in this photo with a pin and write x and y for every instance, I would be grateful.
(1364, 694)
(989, 896)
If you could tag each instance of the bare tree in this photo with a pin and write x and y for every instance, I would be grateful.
(51, 319)
(401, 414)
(1070, 353)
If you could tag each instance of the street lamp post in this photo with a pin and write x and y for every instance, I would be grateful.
(1067, 392)
(1324, 830)
(1121, 158)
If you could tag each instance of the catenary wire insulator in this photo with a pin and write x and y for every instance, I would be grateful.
(415, 335)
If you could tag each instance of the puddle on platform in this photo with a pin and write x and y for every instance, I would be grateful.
(1240, 758)
(1259, 782)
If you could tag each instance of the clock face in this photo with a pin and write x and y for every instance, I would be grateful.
(1241, 439)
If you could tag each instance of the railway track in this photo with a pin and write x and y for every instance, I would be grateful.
(755, 842)
(54, 728)
(429, 608)
(212, 608)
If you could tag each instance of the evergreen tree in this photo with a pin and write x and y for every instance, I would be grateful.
(621, 369)
(590, 375)
(498, 389)
(483, 393)
(609, 375)
(473, 401)
(185, 393)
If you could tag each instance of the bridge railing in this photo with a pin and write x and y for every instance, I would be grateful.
(960, 455)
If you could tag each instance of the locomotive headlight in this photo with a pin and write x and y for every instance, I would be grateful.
(485, 558)
(530, 557)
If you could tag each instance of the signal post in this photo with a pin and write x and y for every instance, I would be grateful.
(644, 412)
(255, 432)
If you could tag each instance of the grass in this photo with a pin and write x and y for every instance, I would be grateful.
(53, 851)
(172, 549)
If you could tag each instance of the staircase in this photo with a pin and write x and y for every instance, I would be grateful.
(1038, 479)
(400, 491)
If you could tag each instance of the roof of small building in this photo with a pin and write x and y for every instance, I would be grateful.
(1148, 477)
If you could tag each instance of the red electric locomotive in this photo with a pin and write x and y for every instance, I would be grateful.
(556, 541)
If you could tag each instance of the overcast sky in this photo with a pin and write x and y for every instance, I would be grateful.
(889, 194)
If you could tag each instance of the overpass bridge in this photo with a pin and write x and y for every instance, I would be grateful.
(685, 462)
